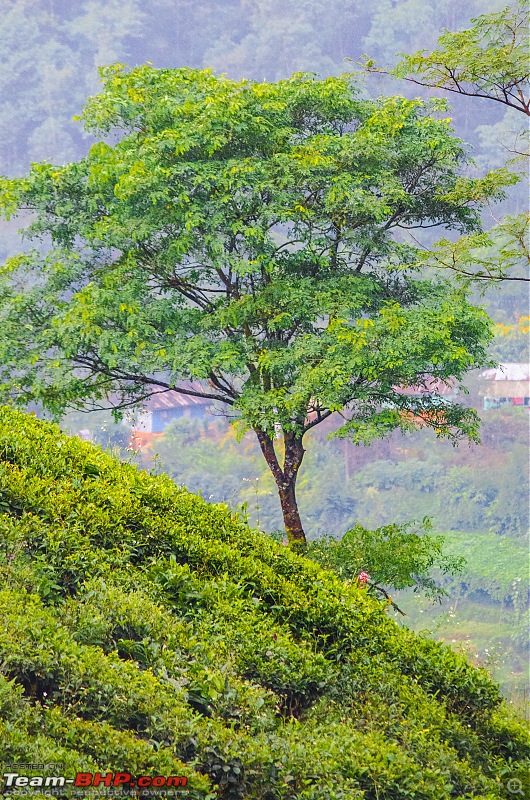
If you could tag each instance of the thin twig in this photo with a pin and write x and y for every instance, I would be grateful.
(385, 593)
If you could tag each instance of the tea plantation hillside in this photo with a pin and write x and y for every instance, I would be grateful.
(142, 629)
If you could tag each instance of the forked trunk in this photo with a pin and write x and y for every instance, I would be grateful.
(285, 478)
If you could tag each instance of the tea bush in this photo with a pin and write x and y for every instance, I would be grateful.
(146, 630)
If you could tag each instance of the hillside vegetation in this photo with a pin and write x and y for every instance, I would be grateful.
(145, 629)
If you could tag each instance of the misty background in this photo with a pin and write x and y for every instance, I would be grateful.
(477, 496)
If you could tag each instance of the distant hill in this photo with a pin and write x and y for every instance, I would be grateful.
(145, 631)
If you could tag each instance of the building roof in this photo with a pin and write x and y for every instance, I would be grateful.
(171, 399)
(507, 372)
(506, 380)
(432, 386)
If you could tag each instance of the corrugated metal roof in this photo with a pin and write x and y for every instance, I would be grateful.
(508, 372)
(172, 399)
(432, 386)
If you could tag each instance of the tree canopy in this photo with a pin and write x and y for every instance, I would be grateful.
(488, 60)
(251, 237)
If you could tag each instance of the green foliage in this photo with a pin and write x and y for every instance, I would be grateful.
(50, 53)
(503, 253)
(511, 341)
(51, 48)
(248, 236)
(175, 641)
(340, 485)
(205, 456)
(500, 574)
(244, 234)
(457, 497)
(394, 556)
(489, 59)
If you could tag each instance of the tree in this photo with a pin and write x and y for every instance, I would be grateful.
(488, 60)
(394, 555)
(500, 254)
(246, 236)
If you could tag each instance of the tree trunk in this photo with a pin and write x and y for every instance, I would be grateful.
(291, 516)
(285, 478)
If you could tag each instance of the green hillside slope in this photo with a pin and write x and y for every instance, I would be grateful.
(145, 630)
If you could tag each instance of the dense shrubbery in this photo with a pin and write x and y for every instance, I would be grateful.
(147, 630)
(398, 556)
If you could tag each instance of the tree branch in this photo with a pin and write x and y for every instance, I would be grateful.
(269, 453)
(523, 107)
(321, 416)
(119, 375)
(385, 594)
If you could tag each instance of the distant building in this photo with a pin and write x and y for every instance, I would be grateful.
(506, 385)
(164, 407)
(433, 388)
(436, 392)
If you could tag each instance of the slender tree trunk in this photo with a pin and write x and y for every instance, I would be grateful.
(285, 478)
(291, 515)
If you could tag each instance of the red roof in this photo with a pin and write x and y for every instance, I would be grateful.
(432, 386)
(171, 399)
